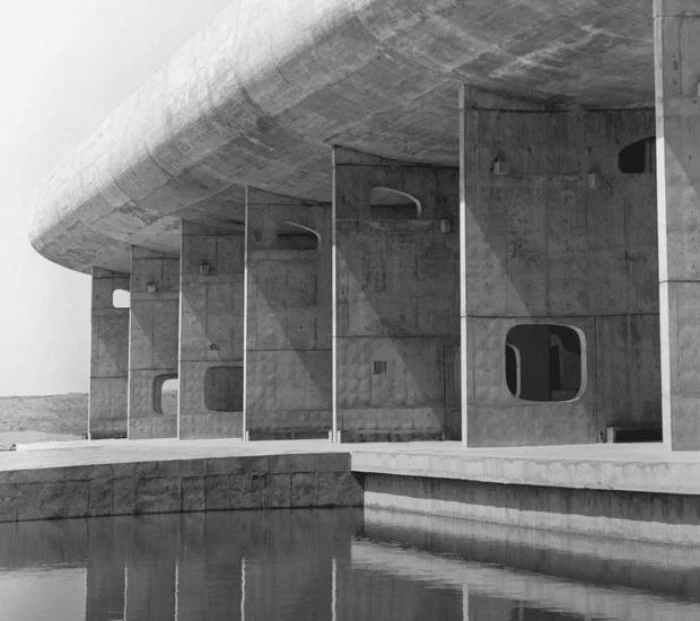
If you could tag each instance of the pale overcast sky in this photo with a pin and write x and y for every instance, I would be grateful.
(64, 65)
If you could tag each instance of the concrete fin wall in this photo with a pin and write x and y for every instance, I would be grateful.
(211, 331)
(153, 340)
(676, 28)
(109, 357)
(396, 302)
(554, 233)
(288, 318)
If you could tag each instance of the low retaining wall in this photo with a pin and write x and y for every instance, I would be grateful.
(644, 516)
(180, 485)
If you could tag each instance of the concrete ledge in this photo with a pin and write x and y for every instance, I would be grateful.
(638, 467)
(638, 492)
(261, 479)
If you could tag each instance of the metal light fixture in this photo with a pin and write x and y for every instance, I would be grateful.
(151, 287)
(204, 268)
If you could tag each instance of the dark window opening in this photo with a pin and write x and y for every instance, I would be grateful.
(638, 157)
(291, 236)
(165, 394)
(380, 367)
(543, 362)
(388, 204)
(223, 389)
(121, 298)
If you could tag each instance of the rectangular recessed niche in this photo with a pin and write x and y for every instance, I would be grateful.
(223, 389)
(545, 362)
(380, 367)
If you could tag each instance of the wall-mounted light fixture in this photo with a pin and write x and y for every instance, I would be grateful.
(151, 287)
(593, 179)
(204, 267)
(500, 166)
(445, 226)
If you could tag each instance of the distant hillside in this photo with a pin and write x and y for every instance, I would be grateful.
(45, 415)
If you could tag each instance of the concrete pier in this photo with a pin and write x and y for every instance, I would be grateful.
(288, 318)
(109, 356)
(677, 115)
(153, 342)
(211, 331)
(396, 299)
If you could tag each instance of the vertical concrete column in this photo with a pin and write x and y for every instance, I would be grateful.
(211, 331)
(109, 357)
(676, 32)
(288, 317)
(558, 272)
(153, 342)
(395, 299)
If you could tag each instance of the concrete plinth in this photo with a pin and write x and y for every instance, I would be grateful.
(396, 300)
(153, 341)
(288, 318)
(554, 232)
(211, 331)
(677, 25)
(109, 357)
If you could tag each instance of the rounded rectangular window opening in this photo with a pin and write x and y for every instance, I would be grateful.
(121, 298)
(223, 389)
(165, 394)
(545, 362)
(390, 204)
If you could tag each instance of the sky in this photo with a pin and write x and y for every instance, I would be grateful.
(64, 66)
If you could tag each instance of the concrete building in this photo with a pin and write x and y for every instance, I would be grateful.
(398, 219)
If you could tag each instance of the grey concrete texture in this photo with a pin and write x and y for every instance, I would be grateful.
(677, 75)
(109, 357)
(558, 234)
(288, 366)
(153, 340)
(211, 326)
(255, 98)
(162, 483)
(396, 305)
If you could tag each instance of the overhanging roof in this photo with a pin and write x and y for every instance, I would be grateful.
(258, 97)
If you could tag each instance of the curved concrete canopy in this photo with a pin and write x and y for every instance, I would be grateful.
(257, 98)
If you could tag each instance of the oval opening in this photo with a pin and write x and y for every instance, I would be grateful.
(544, 362)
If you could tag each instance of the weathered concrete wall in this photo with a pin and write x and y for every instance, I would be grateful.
(211, 331)
(396, 302)
(677, 25)
(153, 340)
(181, 485)
(661, 518)
(288, 337)
(109, 358)
(555, 233)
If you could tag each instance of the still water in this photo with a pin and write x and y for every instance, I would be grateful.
(336, 565)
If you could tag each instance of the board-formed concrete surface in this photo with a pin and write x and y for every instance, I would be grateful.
(632, 492)
(257, 98)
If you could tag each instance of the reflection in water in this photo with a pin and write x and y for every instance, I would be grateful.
(338, 565)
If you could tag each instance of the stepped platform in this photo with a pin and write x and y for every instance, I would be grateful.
(640, 491)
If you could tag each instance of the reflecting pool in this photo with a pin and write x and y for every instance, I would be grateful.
(340, 565)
